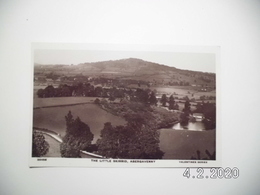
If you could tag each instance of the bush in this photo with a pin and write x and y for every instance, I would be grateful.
(97, 101)
(39, 147)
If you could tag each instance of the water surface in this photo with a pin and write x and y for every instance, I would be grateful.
(192, 126)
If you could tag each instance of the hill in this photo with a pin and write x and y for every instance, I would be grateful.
(131, 68)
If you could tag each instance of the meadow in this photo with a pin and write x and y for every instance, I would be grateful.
(177, 89)
(182, 91)
(183, 144)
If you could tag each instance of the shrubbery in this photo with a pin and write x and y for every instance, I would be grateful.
(39, 147)
(133, 141)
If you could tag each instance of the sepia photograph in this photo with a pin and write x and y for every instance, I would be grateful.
(109, 107)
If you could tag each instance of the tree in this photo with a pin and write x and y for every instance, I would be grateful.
(171, 103)
(65, 91)
(40, 93)
(185, 115)
(176, 107)
(78, 137)
(142, 95)
(97, 101)
(108, 145)
(136, 140)
(57, 92)
(135, 119)
(184, 119)
(39, 147)
(79, 89)
(69, 148)
(164, 100)
(209, 111)
(69, 122)
(111, 98)
(199, 108)
(49, 91)
(98, 91)
(152, 99)
(186, 108)
(88, 90)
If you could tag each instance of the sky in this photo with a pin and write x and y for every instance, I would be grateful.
(205, 62)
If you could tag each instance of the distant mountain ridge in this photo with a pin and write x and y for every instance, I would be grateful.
(131, 68)
(129, 65)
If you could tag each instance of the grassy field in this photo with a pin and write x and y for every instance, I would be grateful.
(183, 91)
(177, 89)
(45, 102)
(183, 144)
(210, 93)
(53, 118)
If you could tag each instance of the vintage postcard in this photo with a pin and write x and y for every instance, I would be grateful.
(105, 105)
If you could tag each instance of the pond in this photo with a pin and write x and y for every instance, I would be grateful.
(53, 118)
(182, 142)
(192, 126)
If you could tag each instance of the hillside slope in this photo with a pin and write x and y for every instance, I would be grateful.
(130, 68)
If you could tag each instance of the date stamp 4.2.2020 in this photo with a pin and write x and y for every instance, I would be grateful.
(211, 173)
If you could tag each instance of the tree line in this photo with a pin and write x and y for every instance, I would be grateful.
(145, 96)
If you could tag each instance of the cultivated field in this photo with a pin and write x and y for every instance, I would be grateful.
(53, 118)
(183, 144)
